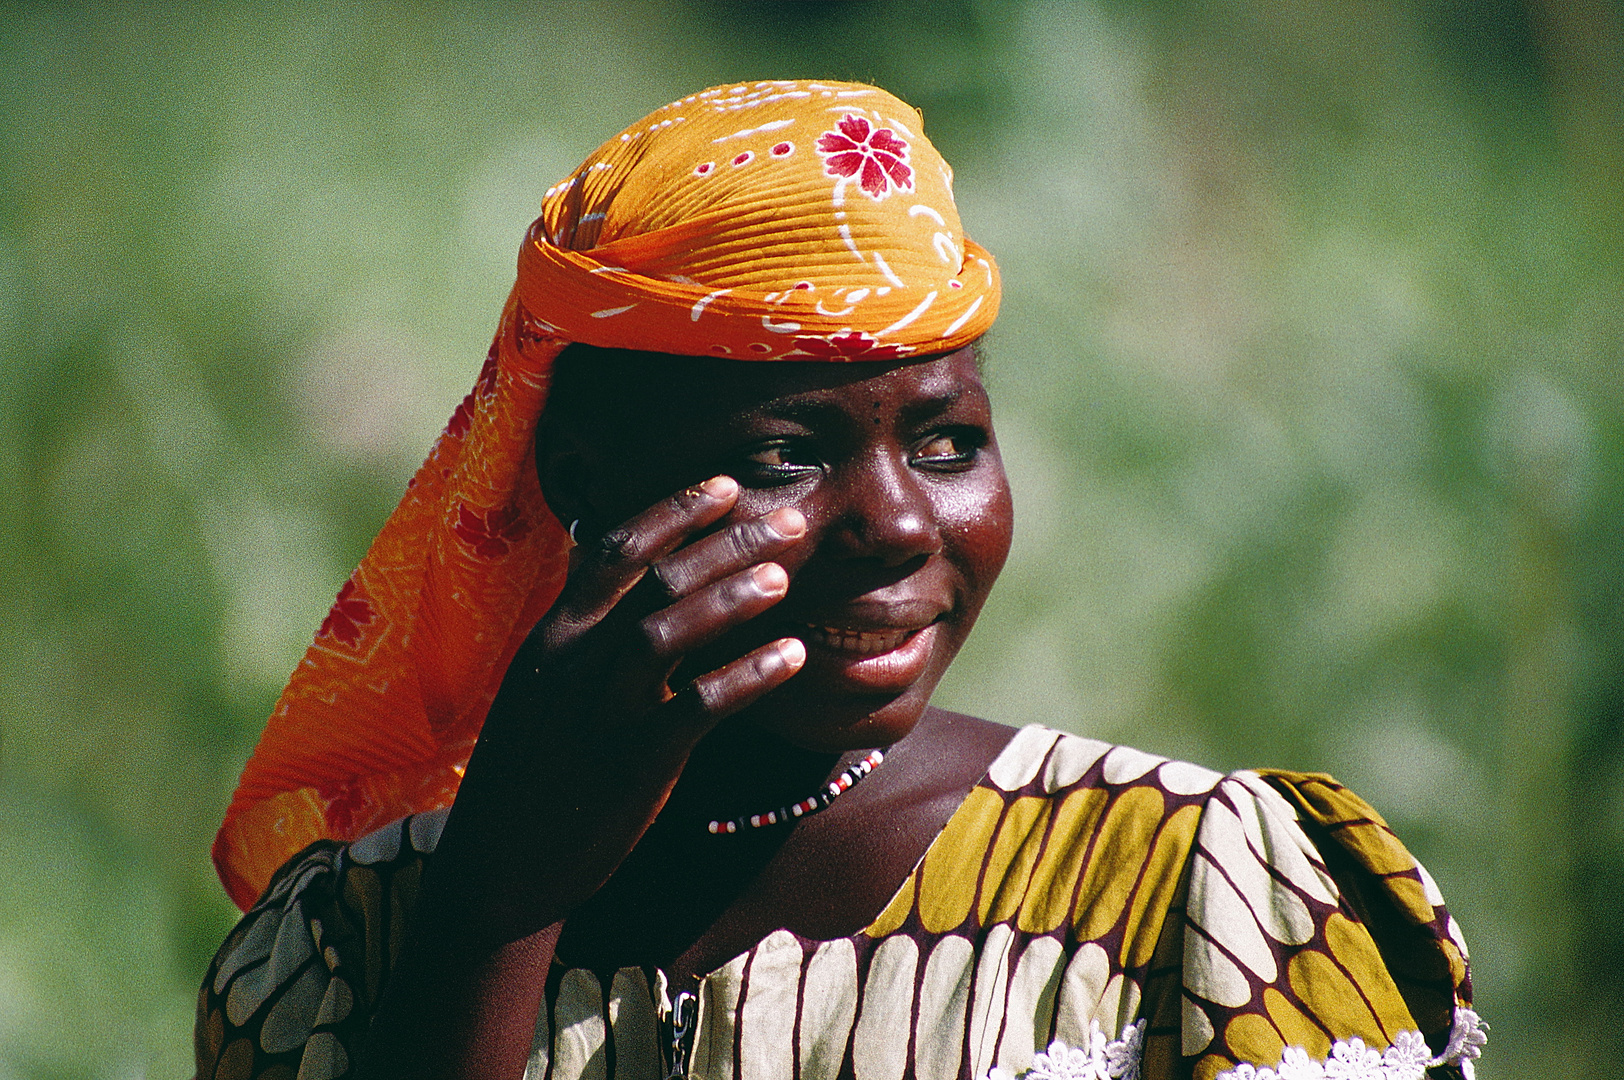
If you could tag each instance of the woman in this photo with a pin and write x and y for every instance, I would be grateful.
(711, 825)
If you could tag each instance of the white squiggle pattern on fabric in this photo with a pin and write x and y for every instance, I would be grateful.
(1407, 1059)
(1101, 1059)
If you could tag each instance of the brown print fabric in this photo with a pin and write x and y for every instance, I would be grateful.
(1082, 893)
(293, 989)
(1306, 923)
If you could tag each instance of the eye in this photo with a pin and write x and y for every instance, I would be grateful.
(782, 461)
(953, 450)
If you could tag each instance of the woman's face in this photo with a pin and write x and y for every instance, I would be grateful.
(908, 512)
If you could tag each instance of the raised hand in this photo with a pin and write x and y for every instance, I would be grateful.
(588, 734)
(583, 745)
(598, 667)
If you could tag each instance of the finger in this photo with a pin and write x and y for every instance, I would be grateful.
(618, 560)
(711, 612)
(727, 552)
(734, 686)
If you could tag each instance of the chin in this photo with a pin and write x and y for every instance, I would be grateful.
(806, 716)
(857, 690)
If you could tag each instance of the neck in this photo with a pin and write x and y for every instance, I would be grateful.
(680, 878)
(741, 769)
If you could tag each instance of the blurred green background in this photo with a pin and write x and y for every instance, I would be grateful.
(1308, 379)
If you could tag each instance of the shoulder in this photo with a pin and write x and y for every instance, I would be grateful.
(295, 983)
(1040, 760)
(1261, 914)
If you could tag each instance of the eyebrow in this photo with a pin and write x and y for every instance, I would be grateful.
(931, 406)
(811, 411)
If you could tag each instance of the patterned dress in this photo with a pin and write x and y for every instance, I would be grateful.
(1088, 911)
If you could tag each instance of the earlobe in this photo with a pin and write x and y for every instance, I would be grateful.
(562, 469)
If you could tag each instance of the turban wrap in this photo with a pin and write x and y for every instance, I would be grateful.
(770, 221)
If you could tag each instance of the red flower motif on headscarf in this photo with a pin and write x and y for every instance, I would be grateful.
(347, 616)
(852, 345)
(344, 805)
(874, 155)
(490, 534)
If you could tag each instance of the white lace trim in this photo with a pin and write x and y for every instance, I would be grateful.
(1408, 1058)
(1102, 1059)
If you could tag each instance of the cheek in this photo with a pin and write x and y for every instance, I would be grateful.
(755, 502)
(979, 524)
(630, 485)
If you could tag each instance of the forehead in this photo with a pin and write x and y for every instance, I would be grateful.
(679, 390)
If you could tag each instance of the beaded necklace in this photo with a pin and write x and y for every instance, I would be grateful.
(809, 805)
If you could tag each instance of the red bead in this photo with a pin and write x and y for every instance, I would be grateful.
(811, 804)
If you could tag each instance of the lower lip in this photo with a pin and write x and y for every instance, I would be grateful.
(892, 671)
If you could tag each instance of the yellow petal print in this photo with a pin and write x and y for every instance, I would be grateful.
(896, 912)
(1009, 867)
(1251, 1037)
(1353, 949)
(1295, 1028)
(1124, 837)
(1049, 899)
(1329, 994)
(945, 890)
(1151, 899)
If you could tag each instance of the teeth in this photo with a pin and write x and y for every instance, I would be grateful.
(862, 643)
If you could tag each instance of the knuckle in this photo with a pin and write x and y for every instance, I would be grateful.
(708, 696)
(617, 546)
(668, 579)
(685, 500)
(743, 541)
(561, 625)
(552, 637)
(656, 636)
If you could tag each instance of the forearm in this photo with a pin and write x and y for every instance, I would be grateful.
(527, 841)
(453, 1011)
(577, 757)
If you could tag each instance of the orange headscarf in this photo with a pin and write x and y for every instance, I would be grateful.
(768, 221)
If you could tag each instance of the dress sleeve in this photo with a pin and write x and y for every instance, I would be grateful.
(292, 991)
(1315, 945)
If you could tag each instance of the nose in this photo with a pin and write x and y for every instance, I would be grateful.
(886, 512)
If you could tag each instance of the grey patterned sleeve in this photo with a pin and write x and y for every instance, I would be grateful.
(292, 991)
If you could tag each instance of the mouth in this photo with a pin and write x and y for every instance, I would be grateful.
(868, 658)
(851, 641)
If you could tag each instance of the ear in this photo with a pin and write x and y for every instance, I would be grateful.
(565, 470)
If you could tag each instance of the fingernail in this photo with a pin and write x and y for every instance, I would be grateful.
(770, 577)
(787, 522)
(793, 651)
(719, 487)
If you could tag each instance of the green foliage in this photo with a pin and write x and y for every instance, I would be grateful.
(1307, 378)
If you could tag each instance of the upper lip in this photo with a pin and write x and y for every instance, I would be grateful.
(847, 628)
(876, 618)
